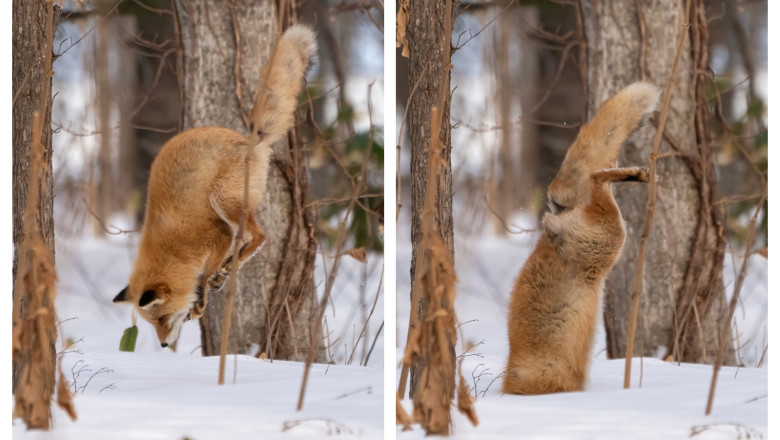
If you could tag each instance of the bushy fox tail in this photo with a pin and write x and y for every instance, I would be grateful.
(601, 138)
(598, 143)
(281, 81)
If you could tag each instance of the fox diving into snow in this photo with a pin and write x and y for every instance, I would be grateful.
(196, 196)
(555, 300)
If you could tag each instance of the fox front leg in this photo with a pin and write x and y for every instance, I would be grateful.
(217, 281)
(199, 306)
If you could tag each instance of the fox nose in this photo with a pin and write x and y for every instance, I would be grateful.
(163, 344)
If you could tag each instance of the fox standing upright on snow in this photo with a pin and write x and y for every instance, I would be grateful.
(555, 300)
(196, 196)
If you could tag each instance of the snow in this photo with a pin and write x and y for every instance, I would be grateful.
(156, 393)
(165, 395)
(668, 404)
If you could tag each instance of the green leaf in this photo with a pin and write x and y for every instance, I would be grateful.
(127, 343)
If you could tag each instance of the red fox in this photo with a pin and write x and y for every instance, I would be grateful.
(196, 196)
(555, 300)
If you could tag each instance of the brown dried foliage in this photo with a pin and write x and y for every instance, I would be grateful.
(402, 19)
(465, 401)
(433, 339)
(401, 416)
(64, 396)
(34, 329)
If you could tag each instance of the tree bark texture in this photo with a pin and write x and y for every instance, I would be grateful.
(223, 48)
(29, 75)
(424, 33)
(683, 301)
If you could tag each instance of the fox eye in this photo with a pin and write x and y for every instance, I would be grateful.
(555, 207)
(161, 320)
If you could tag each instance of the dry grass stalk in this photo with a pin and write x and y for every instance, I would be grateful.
(750, 239)
(370, 314)
(359, 187)
(651, 197)
(34, 330)
(724, 333)
(233, 281)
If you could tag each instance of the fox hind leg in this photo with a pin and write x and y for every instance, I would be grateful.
(229, 210)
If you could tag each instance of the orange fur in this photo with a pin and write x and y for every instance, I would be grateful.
(196, 194)
(555, 300)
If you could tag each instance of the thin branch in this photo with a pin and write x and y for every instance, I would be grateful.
(232, 283)
(651, 197)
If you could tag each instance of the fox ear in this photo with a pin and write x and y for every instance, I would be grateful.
(149, 298)
(122, 296)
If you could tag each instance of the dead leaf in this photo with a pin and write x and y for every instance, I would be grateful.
(358, 254)
(64, 396)
(402, 20)
(401, 416)
(465, 401)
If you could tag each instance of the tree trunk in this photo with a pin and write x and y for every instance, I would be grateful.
(683, 299)
(276, 299)
(425, 32)
(503, 195)
(156, 104)
(557, 100)
(29, 75)
(530, 145)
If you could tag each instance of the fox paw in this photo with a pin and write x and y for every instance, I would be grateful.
(217, 281)
(642, 174)
(198, 308)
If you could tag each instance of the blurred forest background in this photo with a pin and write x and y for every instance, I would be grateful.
(526, 74)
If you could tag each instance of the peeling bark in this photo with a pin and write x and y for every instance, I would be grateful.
(425, 33)
(29, 74)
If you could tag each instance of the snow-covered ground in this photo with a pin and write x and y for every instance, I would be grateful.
(670, 402)
(157, 393)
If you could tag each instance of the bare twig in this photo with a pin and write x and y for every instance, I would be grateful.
(358, 186)
(733, 303)
(376, 336)
(651, 197)
(368, 318)
(232, 283)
